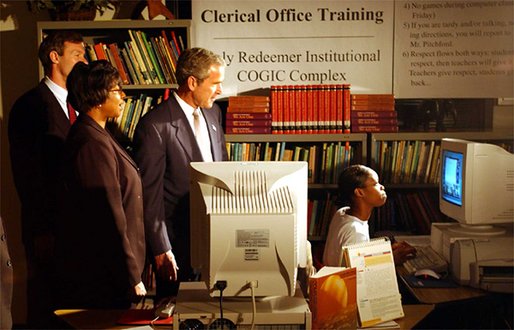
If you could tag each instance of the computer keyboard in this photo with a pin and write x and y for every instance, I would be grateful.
(426, 258)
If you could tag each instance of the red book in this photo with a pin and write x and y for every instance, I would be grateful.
(248, 123)
(249, 115)
(119, 64)
(333, 109)
(373, 114)
(372, 107)
(286, 128)
(373, 97)
(346, 109)
(339, 108)
(249, 101)
(374, 128)
(274, 108)
(255, 109)
(375, 121)
(99, 50)
(309, 95)
(304, 111)
(322, 119)
(316, 117)
(248, 130)
(293, 109)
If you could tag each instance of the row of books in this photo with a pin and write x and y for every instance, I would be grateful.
(411, 211)
(408, 161)
(373, 113)
(135, 107)
(325, 160)
(142, 59)
(310, 109)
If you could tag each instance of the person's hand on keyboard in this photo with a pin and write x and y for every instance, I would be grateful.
(402, 251)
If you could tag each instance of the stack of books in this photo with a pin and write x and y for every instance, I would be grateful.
(310, 109)
(248, 115)
(373, 113)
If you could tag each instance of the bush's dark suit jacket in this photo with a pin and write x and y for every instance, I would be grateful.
(100, 235)
(37, 130)
(164, 145)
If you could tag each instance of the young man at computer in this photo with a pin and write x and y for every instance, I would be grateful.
(359, 192)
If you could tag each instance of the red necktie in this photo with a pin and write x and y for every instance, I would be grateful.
(71, 113)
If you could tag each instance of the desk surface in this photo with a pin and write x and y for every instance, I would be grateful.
(440, 295)
(106, 319)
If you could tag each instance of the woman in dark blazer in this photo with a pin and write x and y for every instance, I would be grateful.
(100, 233)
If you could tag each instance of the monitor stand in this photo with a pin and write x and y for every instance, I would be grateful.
(195, 307)
(477, 230)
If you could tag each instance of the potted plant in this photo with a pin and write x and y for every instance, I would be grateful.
(67, 10)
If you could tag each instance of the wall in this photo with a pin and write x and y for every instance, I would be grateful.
(18, 49)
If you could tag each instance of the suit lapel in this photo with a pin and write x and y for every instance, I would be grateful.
(212, 128)
(184, 134)
(60, 123)
(90, 122)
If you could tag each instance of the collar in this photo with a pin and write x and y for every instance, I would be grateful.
(188, 110)
(60, 93)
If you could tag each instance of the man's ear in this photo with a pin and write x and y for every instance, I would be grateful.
(192, 83)
(54, 56)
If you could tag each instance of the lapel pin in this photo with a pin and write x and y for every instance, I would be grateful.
(213, 127)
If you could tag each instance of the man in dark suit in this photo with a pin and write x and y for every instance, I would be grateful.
(184, 128)
(38, 125)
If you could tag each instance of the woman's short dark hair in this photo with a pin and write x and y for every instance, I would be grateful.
(352, 177)
(54, 41)
(89, 84)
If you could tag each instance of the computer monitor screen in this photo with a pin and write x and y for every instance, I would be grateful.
(249, 225)
(476, 183)
(451, 176)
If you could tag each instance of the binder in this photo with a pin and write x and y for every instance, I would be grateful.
(378, 297)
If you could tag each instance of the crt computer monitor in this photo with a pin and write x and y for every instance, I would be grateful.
(249, 224)
(476, 185)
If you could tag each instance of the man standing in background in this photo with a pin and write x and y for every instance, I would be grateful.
(38, 124)
(183, 129)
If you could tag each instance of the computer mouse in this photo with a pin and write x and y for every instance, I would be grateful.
(427, 274)
(165, 309)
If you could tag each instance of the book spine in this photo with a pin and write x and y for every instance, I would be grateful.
(375, 121)
(248, 123)
(373, 114)
(346, 109)
(372, 107)
(285, 107)
(153, 58)
(374, 128)
(248, 130)
(132, 72)
(119, 65)
(303, 110)
(249, 116)
(235, 109)
(134, 48)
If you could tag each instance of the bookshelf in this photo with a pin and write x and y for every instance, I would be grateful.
(142, 93)
(410, 175)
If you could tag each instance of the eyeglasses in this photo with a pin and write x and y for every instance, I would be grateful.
(117, 90)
